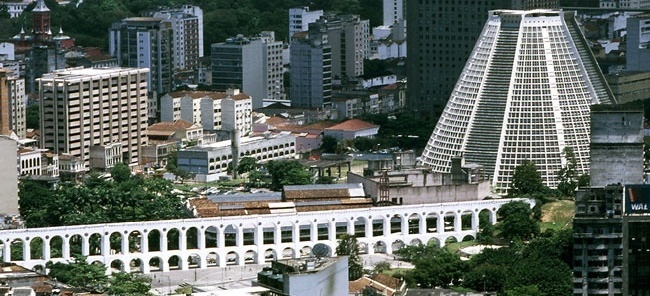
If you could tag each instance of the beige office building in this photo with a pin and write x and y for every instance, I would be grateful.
(87, 109)
(12, 104)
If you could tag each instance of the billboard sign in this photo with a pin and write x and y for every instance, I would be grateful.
(637, 199)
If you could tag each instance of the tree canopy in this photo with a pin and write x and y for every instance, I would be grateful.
(517, 222)
(79, 273)
(126, 198)
(537, 268)
(436, 267)
(88, 21)
(287, 172)
(129, 284)
(526, 180)
(348, 246)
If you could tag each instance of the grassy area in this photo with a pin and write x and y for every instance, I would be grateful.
(395, 271)
(454, 247)
(557, 215)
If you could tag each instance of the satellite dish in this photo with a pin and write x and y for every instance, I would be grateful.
(320, 250)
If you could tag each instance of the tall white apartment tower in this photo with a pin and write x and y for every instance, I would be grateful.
(300, 18)
(84, 109)
(187, 37)
(12, 104)
(394, 11)
(524, 94)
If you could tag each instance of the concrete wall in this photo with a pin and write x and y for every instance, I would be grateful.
(333, 280)
(414, 191)
(8, 177)
(616, 147)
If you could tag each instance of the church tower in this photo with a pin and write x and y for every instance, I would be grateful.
(41, 15)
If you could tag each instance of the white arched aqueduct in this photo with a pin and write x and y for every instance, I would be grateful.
(238, 240)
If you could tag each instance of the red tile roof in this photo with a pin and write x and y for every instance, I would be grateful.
(352, 125)
(168, 126)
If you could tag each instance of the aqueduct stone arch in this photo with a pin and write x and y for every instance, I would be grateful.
(200, 243)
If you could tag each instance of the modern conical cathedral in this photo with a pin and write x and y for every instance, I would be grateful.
(524, 94)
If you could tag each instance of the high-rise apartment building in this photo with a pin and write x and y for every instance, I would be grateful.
(525, 94)
(91, 108)
(12, 104)
(349, 38)
(441, 36)
(187, 38)
(394, 11)
(252, 64)
(145, 42)
(300, 18)
(638, 43)
(610, 223)
(311, 68)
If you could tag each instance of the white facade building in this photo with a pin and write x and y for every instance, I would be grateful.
(210, 162)
(525, 94)
(625, 4)
(394, 11)
(104, 157)
(187, 39)
(15, 8)
(82, 108)
(209, 109)
(29, 162)
(300, 18)
(7, 51)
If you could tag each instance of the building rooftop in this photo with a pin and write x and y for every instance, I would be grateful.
(215, 95)
(242, 141)
(85, 73)
(168, 126)
(352, 125)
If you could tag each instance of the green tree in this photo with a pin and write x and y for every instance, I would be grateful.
(348, 246)
(410, 253)
(120, 172)
(531, 290)
(32, 117)
(287, 172)
(526, 180)
(328, 144)
(129, 284)
(568, 175)
(325, 180)
(99, 201)
(517, 221)
(4, 11)
(370, 291)
(382, 266)
(79, 273)
(255, 178)
(246, 164)
(363, 144)
(439, 269)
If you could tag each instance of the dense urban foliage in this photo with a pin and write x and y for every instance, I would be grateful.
(79, 273)
(287, 172)
(538, 266)
(88, 21)
(99, 200)
(348, 246)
